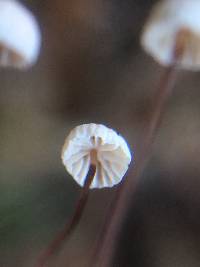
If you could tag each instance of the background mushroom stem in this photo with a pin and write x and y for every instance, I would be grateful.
(70, 226)
(105, 247)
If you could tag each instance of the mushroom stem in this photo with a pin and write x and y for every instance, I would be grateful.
(71, 225)
(106, 244)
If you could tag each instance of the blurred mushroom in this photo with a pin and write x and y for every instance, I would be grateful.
(20, 37)
(172, 37)
(173, 24)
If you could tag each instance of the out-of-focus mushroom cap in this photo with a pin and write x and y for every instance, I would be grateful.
(20, 37)
(166, 20)
(112, 155)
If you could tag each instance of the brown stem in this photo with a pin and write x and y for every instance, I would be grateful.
(106, 244)
(71, 225)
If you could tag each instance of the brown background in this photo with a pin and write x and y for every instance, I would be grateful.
(92, 69)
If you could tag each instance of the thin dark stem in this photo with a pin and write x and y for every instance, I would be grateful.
(71, 225)
(106, 244)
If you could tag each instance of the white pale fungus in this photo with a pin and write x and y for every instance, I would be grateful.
(169, 20)
(98, 145)
(20, 37)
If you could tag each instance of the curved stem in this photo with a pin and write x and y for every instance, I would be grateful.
(71, 225)
(106, 244)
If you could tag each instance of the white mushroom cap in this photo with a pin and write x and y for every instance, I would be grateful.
(98, 145)
(167, 19)
(20, 37)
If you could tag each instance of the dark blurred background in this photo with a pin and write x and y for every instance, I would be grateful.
(92, 69)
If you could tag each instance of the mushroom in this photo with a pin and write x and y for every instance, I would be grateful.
(172, 37)
(96, 157)
(20, 37)
(174, 25)
(97, 145)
